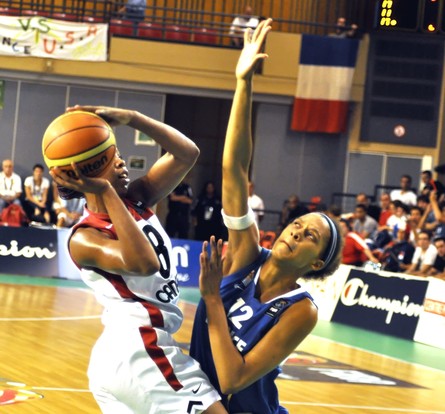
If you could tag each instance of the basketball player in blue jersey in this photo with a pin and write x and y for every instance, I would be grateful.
(251, 320)
(124, 255)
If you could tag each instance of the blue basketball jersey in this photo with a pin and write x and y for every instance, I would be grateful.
(249, 320)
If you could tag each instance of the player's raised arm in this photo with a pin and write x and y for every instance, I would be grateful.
(243, 233)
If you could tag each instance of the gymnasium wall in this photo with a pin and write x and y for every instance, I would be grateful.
(145, 75)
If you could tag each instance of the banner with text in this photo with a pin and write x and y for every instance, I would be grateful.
(49, 38)
(386, 304)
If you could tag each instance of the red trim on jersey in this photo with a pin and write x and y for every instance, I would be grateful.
(145, 213)
(102, 221)
(156, 353)
(156, 318)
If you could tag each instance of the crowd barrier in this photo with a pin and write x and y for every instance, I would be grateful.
(391, 303)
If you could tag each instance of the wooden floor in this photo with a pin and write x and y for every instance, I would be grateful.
(47, 332)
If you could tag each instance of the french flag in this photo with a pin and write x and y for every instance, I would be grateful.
(324, 83)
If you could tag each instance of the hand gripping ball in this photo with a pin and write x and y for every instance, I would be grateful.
(80, 137)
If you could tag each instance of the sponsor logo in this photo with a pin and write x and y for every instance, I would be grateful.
(168, 293)
(355, 293)
(276, 307)
(302, 366)
(180, 259)
(434, 306)
(28, 252)
(353, 376)
(12, 392)
(90, 168)
(197, 388)
(180, 256)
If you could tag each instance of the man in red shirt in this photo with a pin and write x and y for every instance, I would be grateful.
(355, 250)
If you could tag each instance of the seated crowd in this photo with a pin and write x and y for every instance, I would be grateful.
(405, 232)
(34, 201)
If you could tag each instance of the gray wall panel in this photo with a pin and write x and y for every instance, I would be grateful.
(323, 165)
(148, 104)
(288, 163)
(91, 96)
(39, 104)
(277, 156)
(7, 119)
(364, 172)
(397, 166)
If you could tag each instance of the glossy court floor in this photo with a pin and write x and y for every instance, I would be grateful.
(48, 327)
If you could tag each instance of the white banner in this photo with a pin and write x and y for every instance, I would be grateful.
(48, 38)
(431, 327)
(327, 292)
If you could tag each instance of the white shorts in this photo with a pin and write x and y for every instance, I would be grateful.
(126, 378)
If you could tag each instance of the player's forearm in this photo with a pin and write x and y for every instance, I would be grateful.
(238, 145)
(141, 259)
(228, 361)
(169, 138)
(237, 152)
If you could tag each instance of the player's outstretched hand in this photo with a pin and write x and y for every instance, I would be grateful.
(252, 53)
(211, 268)
(80, 183)
(114, 116)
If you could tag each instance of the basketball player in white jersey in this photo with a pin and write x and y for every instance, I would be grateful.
(124, 255)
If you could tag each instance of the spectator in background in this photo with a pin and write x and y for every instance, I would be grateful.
(256, 203)
(68, 212)
(363, 224)
(438, 269)
(405, 194)
(240, 24)
(177, 222)
(428, 222)
(395, 223)
(206, 214)
(439, 215)
(343, 31)
(334, 212)
(414, 223)
(431, 185)
(355, 251)
(372, 209)
(291, 210)
(385, 209)
(36, 195)
(133, 10)
(398, 254)
(424, 256)
(10, 185)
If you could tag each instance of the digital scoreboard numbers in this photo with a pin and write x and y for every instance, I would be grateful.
(410, 15)
(398, 14)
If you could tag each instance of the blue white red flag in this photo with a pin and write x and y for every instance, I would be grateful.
(324, 83)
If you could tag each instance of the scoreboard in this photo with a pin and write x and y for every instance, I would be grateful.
(427, 16)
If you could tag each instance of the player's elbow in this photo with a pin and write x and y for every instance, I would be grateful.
(232, 387)
(233, 382)
(193, 152)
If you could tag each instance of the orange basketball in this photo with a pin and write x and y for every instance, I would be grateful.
(80, 137)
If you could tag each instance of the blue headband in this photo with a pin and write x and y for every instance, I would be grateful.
(332, 244)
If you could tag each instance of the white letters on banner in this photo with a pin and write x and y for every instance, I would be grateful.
(49, 38)
(29, 252)
(355, 293)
